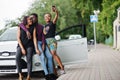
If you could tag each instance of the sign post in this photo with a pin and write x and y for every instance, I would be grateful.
(94, 19)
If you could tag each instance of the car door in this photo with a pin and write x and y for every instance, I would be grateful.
(72, 50)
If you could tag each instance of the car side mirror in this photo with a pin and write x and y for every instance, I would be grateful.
(57, 37)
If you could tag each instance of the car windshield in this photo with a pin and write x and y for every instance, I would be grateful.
(9, 35)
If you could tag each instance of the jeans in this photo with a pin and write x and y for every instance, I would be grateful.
(29, 54)
(46, 59)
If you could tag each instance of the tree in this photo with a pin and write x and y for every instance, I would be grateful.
(106, 18)
(84, 9)
(73, 12)
(12, 23)
(67, 14)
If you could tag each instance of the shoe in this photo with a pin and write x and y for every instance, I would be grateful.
(53, 76)
(62, 72)
(47, 77)
(50, 77)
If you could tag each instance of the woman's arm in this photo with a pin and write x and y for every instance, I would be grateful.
(25, 29)
(56, 15)
(19, 41)
(43, 41)
(35, 41)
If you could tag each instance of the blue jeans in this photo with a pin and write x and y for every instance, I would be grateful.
(46, 59)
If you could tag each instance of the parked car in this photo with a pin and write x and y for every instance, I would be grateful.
(70, 51)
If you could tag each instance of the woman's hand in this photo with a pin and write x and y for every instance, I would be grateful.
(28, 35)
(54, 9)
(38, 51)
(43, 47)
(23, 51)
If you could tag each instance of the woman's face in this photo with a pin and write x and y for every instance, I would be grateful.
(29, 21)
(47, 17)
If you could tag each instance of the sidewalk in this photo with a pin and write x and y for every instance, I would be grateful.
(103, 64)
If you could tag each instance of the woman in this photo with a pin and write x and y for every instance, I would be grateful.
(25, 47)
(45, 53)
(49, 32)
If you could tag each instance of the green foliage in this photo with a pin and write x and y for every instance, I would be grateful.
(0, 32)
(12, 23)
(106, 18)
(85, 8)
(67, 14)
(104, 27)
(73, 12)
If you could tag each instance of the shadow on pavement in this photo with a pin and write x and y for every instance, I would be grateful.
(35, 75)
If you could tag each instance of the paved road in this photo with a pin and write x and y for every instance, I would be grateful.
(103, 64)
(38, 75)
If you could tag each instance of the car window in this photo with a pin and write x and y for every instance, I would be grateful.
(75, 36)
(78, 31)
(9, 35)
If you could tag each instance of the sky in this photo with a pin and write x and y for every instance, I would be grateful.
(12, 9)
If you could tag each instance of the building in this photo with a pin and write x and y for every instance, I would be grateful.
(116, 31)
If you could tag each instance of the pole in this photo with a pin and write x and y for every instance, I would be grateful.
(94, 34)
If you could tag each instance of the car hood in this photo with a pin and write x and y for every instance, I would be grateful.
(9, 46)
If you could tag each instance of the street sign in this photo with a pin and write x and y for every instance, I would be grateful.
(93, 18)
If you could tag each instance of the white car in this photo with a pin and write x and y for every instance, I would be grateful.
(70, 51)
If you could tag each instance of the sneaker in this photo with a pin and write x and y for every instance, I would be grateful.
(51, 77)
(62, 72)
(47, 77)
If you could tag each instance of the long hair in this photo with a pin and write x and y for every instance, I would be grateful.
(25, 20)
